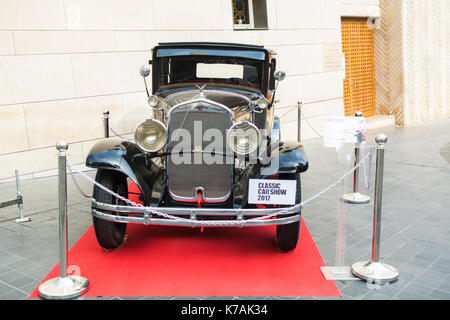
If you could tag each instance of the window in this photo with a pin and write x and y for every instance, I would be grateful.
(249, 14)
(199, 70)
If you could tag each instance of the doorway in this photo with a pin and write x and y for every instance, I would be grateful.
(359, 82)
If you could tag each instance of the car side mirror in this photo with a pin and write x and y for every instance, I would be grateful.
(144, 70)
(279, 75)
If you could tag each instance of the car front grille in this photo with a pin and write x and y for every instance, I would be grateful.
(196, 169)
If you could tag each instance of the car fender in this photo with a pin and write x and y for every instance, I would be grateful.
(292, 158)
(291, 155)
(125, 157)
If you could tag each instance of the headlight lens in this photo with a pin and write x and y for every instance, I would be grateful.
(153, 101)
(151, 135)
(263, 103)
(243, 138)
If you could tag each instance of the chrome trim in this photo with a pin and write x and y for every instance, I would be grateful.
(204, 196)
(192, 223)
(176, 94)
(214, 103)
(162, 124)
(157, 100)
(230, 113)
(146, 220)
(256, 104)
(251, 125)
(187, 211)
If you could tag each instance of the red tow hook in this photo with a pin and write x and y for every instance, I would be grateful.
(199, 204)
(199, 199)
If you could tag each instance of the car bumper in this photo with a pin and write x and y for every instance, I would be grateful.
(127, 214)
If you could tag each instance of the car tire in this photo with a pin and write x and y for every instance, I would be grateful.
(288, 235)
(110, 235)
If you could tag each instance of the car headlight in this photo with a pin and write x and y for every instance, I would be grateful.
(262, 103)
(153, 101)
(243, 138)
(151, 135)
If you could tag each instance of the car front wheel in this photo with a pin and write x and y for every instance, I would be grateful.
(110, 235)
(287, 235)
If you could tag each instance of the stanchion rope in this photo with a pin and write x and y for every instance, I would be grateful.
(118, 135)
(309, 124)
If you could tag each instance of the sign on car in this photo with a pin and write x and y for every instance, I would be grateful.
(275, 192)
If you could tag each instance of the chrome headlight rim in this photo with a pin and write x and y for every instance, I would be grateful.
(262, 103)
(253, 126)
(163, 127)
(153, 101)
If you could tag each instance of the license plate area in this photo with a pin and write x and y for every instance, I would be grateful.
(273, 192)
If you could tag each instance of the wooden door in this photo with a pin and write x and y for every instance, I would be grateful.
(359, 84)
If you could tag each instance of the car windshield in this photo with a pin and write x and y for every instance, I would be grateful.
(203, 69)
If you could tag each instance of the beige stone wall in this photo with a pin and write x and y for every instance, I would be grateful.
(62, 62)
(360, 8)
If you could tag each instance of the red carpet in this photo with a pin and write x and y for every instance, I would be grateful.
(184, 262)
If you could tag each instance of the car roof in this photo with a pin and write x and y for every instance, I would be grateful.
(211, 44)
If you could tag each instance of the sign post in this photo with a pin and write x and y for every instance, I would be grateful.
(356, 197)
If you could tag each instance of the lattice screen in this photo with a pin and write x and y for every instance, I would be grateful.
(426, 57)
(389, 61)
(241, 13)
(413, 60)
(359, 84)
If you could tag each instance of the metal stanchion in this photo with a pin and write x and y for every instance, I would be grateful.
(20, 199)
(106, 123)
(299, 122)
(356, 197)
(63, 287)
(374, 270)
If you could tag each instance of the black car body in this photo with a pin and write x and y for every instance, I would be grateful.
(228, 89)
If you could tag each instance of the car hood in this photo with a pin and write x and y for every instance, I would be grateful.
(231, 98)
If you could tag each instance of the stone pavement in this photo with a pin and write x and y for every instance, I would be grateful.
(415, 232)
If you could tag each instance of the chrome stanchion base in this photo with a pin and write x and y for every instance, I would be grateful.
(64, 288)
(356, 198)
(21, 220)
(374, 272)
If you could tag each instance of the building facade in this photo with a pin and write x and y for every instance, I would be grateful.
(62, 62)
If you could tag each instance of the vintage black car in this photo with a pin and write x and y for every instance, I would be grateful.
(203, 94)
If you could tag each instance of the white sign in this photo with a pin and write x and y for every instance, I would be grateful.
(220, 70)
(339, 130)
(281, 192)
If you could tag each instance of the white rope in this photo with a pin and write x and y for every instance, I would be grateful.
(309, 124)
(118, 135)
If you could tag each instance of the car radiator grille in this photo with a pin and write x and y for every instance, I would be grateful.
(196, 168)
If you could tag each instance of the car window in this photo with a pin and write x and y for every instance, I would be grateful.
(210, 70)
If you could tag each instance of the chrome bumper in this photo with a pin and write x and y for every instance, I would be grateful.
(140, 215)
